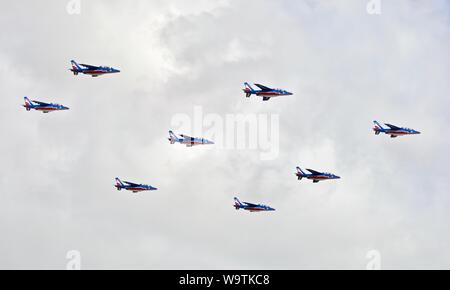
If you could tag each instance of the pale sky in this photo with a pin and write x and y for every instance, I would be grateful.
(346, 68)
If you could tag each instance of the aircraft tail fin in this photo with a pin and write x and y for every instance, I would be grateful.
(28, 103)
(248, 90)
(300, 173)
(378, 128)
(237, 203)
(378, 124)
(119, 183)
(75, 65)
(248, 86)
(172, 137)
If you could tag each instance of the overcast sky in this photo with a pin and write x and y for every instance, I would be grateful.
(346, 68)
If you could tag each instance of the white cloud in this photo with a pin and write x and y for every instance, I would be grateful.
(346, 68)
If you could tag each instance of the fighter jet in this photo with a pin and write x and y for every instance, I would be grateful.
(264, 92)
(315, 176)
(394, 131)
(250, 206)
(43, 107)
(92, 70)
(188, 141)
(134, 187)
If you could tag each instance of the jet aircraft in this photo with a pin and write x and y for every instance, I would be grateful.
(264, 92)
(92, 70)
(188, 141)
(43, 107)
(393, 130)
(250, 206)
(134, 187)
(315, 176)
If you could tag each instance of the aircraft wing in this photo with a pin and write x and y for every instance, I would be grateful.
(264, 88)
(131, 183)
(185, 136)
(41, 103)
(314, 172)
(250, 204)
(88, 66)
(392, 127)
